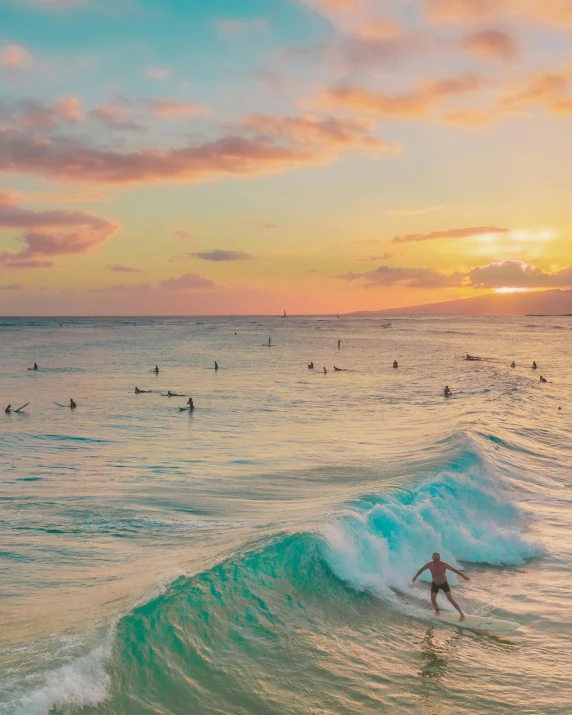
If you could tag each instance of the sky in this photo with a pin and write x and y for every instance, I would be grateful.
(185, 157)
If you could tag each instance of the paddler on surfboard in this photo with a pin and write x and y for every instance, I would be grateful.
(438, 570)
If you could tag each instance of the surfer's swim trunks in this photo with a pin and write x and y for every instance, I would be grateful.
(436, 586)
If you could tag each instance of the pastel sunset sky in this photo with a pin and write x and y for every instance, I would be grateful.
(250, 156)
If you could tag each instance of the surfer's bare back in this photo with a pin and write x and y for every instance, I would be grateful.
(438, 570)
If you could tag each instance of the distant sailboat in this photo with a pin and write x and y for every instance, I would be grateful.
(284, 316)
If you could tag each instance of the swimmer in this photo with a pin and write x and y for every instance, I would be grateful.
(513, 364)
(534, 365)
(174, 394)
(447, 392)
(142, 392)
(543, 379)
(72, 404)
(395, 365)
(156, 370)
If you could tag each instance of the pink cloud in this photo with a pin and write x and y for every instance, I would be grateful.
(183, 235)
(188, 281)
(172, 109)
(123, 269)
(515, 274)
(450, 233)
(15, 57)
(47, 234)
(553, 13)
(491, 44)
(385, 276)
(263, 144)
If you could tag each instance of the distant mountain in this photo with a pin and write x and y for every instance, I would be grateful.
(547, 302)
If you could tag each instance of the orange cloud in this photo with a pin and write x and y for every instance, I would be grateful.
(50, 233)
(515, 274)
(171, 109)
(416, 103)
(491, 45)
(554, 13)
(408, 277)
(262, 144)
(15, 57)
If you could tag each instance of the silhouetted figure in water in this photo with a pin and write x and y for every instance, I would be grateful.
(543, 379)
(311, 366)
(339, 344)
(534, 365)
(513, 364)
(269, 342)
(447, 392)
(8, 409)
(339, 369)
(142, 392)
(472, 357)
(174, 394)
(190, 404)
(35, 366)
(395, 365)
(156, 370)
(72, 404)
(325, 371)
(215, 365)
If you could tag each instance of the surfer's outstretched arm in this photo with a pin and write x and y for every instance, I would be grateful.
(454, 570)
(423, 568)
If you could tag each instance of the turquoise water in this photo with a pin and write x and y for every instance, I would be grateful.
(255, 556)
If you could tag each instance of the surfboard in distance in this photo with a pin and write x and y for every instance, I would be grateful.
(59, 404)
(479, 623)
(21, 408)
(186, 409)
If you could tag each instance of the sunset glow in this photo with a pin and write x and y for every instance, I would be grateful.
(315, 155)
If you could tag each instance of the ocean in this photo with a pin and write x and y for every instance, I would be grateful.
(255, 556)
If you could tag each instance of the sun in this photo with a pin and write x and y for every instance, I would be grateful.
(511, 289)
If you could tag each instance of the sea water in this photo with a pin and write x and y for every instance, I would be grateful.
(256, 555)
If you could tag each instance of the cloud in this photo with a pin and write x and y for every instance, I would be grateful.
(11, 286)
(385, 276)
(231, 27)
(381, 257)
(491, 45)
(188, 281)
(515, 274)
(158, 73)
(553, 13)
(15, 57)
(172, 109)
(183, 235)
(416, 103)
(262, 144)
(36, 114)
(47, 234)
(123, 269)
(220, 255)
(450, 233)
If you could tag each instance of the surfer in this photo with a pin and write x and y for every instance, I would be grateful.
(215, 365)
(339, 369)
(395, 365)
(513, 364)
(447, 392)
(190, 403)
(142, 392)
(438, 570)
(534, 365)
(72, 404)
(325, 371)
(35, 366)
(8, 409)
(472, 357)
(174, 394)
(339, 344)
(543, 379)
(269, 342)
(156, 370)
(311, 366)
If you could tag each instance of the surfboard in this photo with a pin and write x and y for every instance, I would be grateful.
(60, 405)
(21, 408)
(186, 409)
(478, 623)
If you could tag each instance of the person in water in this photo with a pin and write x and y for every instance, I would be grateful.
(142, 392)
(543, 379)
(35, 366)
(269, 342)
(395, 365)
(534, 365)
(339, 369)
(311, 366)
(215, 365)
(174, 394)
(190, 404)
(325, 371)
(513, 364)
(156, 370)
(8, 409)
(438, 571)
(72, 404)
(339, 344)
(447, 392)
